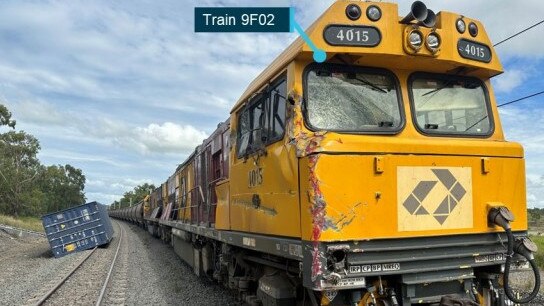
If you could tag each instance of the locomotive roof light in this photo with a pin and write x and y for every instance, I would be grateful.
(460, 25)
(473, 29)
(353, 11)
(415, 39)
(432, 42)
(373, 13)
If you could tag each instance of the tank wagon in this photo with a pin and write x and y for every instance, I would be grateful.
(132, 214)
(378, 177)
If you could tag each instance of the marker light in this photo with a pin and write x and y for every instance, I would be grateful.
(373, 13)
(416, 40)
(460, 25)
(433, 42)
(473, 29)
(353, 11)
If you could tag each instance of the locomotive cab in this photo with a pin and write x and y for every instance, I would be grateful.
(399, 156)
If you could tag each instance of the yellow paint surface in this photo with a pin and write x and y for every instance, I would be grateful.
(353, 211)
(222, 219)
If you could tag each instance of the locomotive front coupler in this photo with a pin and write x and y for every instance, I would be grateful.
(502, 217)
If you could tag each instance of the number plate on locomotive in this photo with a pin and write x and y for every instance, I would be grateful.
(474, 51)
(360, 36)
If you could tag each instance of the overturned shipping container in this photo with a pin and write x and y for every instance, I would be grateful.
(78, 228)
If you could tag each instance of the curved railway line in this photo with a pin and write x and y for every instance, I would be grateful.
(89, 269)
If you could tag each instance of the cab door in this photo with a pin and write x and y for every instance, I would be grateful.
(264, 171)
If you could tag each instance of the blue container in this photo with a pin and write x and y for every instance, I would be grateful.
(78, 228)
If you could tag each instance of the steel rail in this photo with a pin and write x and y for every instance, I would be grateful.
(108, 277)
(57, 286)
(106, 281)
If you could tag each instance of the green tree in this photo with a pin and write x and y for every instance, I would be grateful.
(5, 117)
(19, 168)
(134, 196)
(26, 186)
(63, 187)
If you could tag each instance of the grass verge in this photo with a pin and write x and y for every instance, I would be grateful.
(29, 223)
(539, 256)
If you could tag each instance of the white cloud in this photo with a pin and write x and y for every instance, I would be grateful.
(102, 197)
(168, 137)
(71, 156)
(108, 188)
(531, 137)
(535, 185)
(510, 79)
(38, 112)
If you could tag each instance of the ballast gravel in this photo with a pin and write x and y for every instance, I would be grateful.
(159, 277)
(155, 274)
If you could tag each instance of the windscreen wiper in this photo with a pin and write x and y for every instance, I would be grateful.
(476, 123)
(375, 87)
(446, 84)
(353, 75)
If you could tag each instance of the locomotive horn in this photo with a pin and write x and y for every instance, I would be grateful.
(430, 21)
(418, 11)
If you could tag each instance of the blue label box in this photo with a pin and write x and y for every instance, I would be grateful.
(243, 19)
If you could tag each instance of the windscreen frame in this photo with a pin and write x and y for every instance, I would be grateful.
(442, 76)
(356, 69)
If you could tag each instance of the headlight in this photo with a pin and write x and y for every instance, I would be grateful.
(433, 42)
(460, 25)
(353, 11)
(473, 29)
(373, 13)
(415, 39)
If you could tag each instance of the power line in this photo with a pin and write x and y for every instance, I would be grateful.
(527, 29)
(523, 98)
(509, 102)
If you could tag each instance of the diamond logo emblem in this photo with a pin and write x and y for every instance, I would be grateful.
(414, 203)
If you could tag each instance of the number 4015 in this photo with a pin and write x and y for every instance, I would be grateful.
(352, 35)
(475, 51)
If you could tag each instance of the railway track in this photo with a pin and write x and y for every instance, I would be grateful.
(88, 271)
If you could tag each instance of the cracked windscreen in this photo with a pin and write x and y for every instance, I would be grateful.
(349, 99)
(450, 105)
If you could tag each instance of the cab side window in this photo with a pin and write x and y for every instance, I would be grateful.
(250, 127)
(262, 121)
(276, 116)
(244, 131)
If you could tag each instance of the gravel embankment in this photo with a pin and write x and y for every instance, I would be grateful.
(26, 265)
(157, 276)
(148, 273)
(524, 281)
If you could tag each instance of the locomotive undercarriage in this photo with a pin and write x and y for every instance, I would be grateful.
(454, 269)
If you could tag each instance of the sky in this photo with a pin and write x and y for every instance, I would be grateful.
(125, 90)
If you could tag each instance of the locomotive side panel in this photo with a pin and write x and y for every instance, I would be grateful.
(264, 194)
(186, 191)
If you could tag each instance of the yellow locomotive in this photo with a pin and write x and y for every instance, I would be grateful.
(378, 177)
